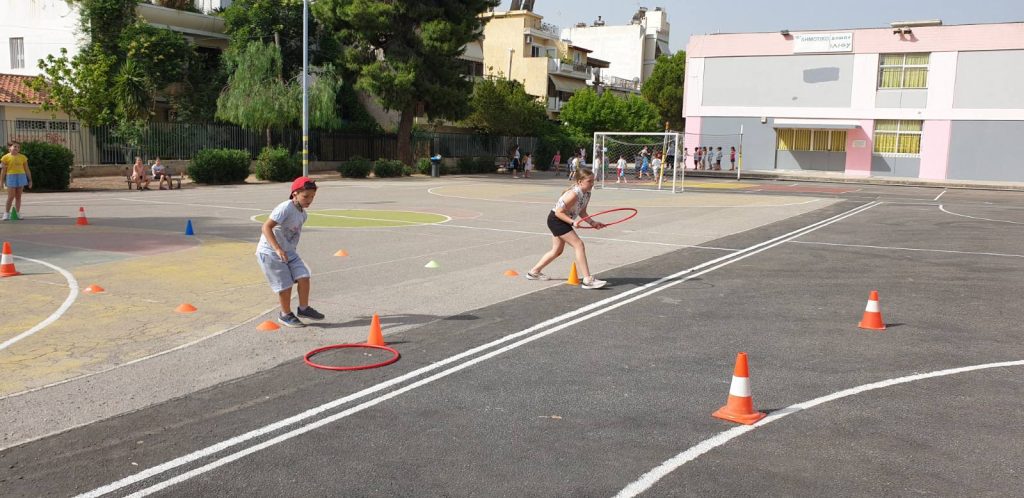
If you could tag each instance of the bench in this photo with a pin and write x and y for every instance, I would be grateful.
(175, 180)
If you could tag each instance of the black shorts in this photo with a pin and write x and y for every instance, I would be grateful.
(557, 226)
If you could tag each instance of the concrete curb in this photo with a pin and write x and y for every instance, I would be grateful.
(841, 178)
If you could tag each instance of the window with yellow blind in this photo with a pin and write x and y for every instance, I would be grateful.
(811, 140)
(898, 136)
(903, 71)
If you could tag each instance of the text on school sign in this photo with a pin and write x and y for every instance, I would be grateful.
(823, 42)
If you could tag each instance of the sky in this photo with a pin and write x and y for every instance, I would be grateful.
(700, 17)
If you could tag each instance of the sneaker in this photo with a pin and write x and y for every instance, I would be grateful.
(290, 320)
(536, 276)
(593, 283)
(310, 313)
(145, 188)
(7, 216)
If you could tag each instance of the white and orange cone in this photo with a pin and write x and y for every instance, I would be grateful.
(7, 262)
(872, 319)
(740, 406)
(82, 220)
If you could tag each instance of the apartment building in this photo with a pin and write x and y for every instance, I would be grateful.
(517, 44)
(631, 49)
(917, 99)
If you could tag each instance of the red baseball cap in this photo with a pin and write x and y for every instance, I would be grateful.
(303, 183)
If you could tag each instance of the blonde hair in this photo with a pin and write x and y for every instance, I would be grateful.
(578, 176)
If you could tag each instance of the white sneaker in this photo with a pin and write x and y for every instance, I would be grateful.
(593, 283)
(7, 216)
(537, 276)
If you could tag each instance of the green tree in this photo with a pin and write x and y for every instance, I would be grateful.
(586, 113)
(257, 98)
(502, 107)
(405, 52)
(664, 88)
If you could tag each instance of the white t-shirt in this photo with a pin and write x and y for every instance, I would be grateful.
(622, 163)
(289, 218)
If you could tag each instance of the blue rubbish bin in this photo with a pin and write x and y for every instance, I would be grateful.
(435, 166)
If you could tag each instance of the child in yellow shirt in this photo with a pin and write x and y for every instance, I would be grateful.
(15, 174)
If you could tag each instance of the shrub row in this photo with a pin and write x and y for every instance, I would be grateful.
(219, 166)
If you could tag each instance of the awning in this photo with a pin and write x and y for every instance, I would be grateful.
(816, 124)
(663, 46)
(568, 85)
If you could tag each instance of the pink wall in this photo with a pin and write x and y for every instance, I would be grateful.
(692, 136)
(959, 38)
(858, 159)
(935, 149)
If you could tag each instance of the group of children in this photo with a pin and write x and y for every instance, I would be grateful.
(710, 158)
(142, 178)
(278, 257)
(523, 163)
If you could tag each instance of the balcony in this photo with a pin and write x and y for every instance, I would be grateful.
(555, 104)
(544, 30)
(572, 70)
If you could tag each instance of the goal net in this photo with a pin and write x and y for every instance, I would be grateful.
(638, 160)
(712, 152)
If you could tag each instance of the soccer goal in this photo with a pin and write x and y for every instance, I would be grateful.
(648, 161)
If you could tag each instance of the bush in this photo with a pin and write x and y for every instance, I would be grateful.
(218, 166)
(423, 166)
(408, 170)
(356, 167)
(277, 165)
(387, 168)
(50, 164)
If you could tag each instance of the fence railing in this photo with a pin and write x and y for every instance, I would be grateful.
(181, 141)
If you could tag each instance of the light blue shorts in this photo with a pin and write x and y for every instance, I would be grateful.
(282, 275)
(17, 180)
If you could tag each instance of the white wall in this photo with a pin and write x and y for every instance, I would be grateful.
(621, 46)
(45, 25)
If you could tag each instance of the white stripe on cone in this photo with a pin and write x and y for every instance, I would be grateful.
(6, 259)
(872, 307)
(740, 387)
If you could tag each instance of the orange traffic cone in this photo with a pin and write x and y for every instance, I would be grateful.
(7, 262)
(376, 338)
(511, 273)
(574, 278)
(341, 253)
(185, 308)
(81, 217)
(94, 289)
(268, 326)
(740, 406)
(872, 319)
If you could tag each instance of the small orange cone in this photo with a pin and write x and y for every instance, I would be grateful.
(341, 252)
(268, 326)
(82, 220)
(185, 308)
(7, 262)
(872, 319)
(376, 338)
(511, 273)
(740, 406)
(94, 289)
(574, 278)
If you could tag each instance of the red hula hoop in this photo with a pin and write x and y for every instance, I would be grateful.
(616, 222)
(343, 346)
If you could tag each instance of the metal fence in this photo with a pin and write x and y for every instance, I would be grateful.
(181, 141)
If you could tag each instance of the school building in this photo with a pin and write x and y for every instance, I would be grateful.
(917, 99)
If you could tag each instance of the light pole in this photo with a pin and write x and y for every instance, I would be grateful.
(305, 87)
(510, 52)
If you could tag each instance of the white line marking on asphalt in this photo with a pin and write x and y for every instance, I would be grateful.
(944, 210)
(909, 249)
(940, 195)
(654, 475)
(72, 295)
(540, 330)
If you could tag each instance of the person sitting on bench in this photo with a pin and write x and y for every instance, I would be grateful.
(139, 175)
(160, 174)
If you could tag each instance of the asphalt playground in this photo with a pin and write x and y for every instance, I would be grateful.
(511, 387)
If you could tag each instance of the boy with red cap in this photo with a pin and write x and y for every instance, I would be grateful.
(278, 255)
